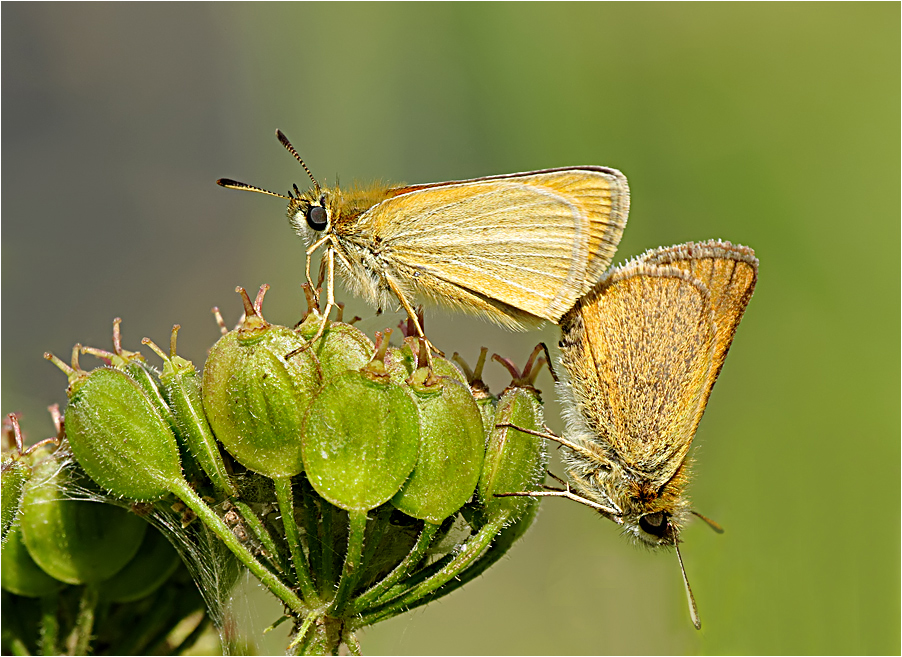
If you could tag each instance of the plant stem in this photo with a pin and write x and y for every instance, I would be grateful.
(315, 541)
(84, 622)
(413, 558)
(498, 549)
(50, 625)
(185, 493)
(285, 497)
(351, 571)
(471, 550)
(261, 534)
(185, 644)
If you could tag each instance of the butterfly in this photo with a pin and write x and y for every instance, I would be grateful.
(641, 352)
(517, 249)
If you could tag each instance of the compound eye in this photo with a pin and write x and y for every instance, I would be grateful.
(316, 218)
(654, 523)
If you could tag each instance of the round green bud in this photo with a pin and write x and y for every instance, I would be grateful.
(18, 571)
(255, 398)
(75, 541)
(452, 444)
(514, 461)
(181, 387)
(133, 362)
(485, 400)
(360, 440)
(118, 435)
(341, 347)
(14, 476)
(153, 564)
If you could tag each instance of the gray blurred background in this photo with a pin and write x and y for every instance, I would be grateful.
(772, 125)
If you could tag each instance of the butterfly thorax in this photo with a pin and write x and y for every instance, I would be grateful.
(342, 215)
(650, 512)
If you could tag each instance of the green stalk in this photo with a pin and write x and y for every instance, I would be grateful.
(261, 534)
(379, 522)
(218, 527)
(189, 641)
(350, 640)
(413, 580)
(472, 549)
(50, 625)
(285, 497)
(142, 634)
(302, 632)
(505, 539)
(18, 647)
(351, 571)
(84, 622)
(315, 541)
(413, 558)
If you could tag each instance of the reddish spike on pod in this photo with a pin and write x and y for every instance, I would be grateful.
(172, 339)
(258, 302)
(57, 419)
(382, 339)
(12, 420)
(246, 300)
(219, 320)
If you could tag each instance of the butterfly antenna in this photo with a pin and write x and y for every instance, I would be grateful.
(287, 144)
(713, 525)
(234, 184)
(693, 610)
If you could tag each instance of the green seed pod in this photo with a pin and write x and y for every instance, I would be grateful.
(20, 574)
(153, 564)
(75, 541)
(17, 466)
(404, 361)
(452, 445)
(14, 476)
(182, 390)
(146, 376)
(341, 347)
(443, 367)
(117, 434)
(515, 461)
(254, 398)
(361, 437)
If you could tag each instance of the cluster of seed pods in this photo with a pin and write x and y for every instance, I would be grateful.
(352, 478)
(80, 575)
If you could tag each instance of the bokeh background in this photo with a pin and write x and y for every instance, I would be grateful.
(772, 125)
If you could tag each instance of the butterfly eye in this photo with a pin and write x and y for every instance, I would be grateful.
(316, 217)
(654, 523)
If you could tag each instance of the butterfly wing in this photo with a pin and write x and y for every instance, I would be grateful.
(519, 248)
(639, 350)
(728, 271)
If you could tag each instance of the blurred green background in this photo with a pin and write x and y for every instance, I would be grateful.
(771, 125)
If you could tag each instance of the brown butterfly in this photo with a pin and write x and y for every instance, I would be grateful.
(641, 352)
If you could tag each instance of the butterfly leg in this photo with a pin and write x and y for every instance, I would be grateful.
(330, 298)
(330, 293)
(310, 251)
(412, 314)
(549, 435)
(607, 511)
